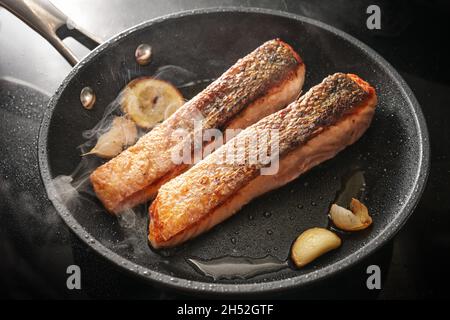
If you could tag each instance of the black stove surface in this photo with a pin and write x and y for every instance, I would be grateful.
(35, 245)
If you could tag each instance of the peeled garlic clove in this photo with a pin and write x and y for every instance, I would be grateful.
(148, 101)
(357, 218)
(313, 243)
(361, 211)
(343, 218)
(122, 133)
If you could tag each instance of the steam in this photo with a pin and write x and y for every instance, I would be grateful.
(127, 219)
(178, 76)
(74, 189)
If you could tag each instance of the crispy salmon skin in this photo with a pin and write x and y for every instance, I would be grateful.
(259, 84)
(312, 129)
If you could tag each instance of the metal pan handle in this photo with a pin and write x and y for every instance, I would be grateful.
(51, 23)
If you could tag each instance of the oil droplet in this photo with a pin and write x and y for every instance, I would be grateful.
(267, 214)
(269, 232)
(143, 54)
(87, 98)
(300, 206)
(230, 267)
(233, 240)
(313, 203)
(353, 186)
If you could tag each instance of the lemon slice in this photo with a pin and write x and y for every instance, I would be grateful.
(148, 101)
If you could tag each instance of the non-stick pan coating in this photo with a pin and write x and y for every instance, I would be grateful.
(393, 153)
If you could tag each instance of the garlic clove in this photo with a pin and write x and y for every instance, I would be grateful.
(361, 211)
(313, 243)
(122, 133)
(355, 219)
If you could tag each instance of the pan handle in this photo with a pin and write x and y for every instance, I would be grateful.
(51, 23)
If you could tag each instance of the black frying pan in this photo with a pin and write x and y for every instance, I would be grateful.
(392, 155)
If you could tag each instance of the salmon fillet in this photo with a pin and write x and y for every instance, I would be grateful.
(259, 84)
(312, 129)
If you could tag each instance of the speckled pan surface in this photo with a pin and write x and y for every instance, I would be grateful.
(393, 154)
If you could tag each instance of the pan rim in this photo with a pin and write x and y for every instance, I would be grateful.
(198, 287)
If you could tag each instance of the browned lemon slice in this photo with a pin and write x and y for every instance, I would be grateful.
(148, 101)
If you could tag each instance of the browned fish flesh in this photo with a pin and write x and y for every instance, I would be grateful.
(312, 129)
(264, 81)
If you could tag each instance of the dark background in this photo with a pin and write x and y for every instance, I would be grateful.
(35, 246)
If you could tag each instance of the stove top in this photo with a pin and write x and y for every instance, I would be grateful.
(35, 245)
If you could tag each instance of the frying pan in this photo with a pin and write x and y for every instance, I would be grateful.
(392, 155)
